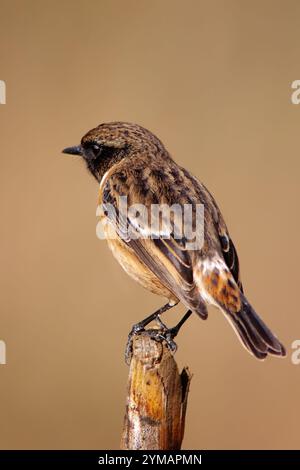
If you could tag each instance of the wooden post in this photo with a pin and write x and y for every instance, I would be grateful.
(156, 398)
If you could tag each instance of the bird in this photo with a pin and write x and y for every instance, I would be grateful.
(128, 161)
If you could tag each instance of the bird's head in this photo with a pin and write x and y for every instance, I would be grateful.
(108, 143)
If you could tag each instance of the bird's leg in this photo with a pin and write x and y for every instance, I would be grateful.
(168, 334)
(139, 327)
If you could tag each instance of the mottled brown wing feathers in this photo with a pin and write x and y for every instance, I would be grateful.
(227, 247)
(167, 258)
(231, 257)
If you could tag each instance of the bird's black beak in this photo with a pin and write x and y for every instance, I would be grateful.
(76, 150)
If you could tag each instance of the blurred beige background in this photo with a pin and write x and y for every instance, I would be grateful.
(213, 80)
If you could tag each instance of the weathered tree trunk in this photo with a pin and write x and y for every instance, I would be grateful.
(156, 398)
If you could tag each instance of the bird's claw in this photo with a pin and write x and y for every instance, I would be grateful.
(136, 329)
(169, 336)
(164, 334)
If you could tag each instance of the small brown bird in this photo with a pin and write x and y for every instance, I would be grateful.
(129, 161)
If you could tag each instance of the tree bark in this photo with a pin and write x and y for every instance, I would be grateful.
(156, 398)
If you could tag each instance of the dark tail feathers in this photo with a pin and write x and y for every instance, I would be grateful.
(254, 334)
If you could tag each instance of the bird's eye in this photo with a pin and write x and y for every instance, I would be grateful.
(96, 149)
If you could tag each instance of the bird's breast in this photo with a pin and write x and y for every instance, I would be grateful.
(132, 265)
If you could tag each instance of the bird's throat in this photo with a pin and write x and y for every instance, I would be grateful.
(100, 165)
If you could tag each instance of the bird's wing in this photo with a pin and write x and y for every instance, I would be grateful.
(228, 250)
(164, 254)
(230, 255)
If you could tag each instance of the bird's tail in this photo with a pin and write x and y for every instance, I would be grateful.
(254, 334)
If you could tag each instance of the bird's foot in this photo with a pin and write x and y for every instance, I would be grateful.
(168, 334)
(164, 334)
(136, 329)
